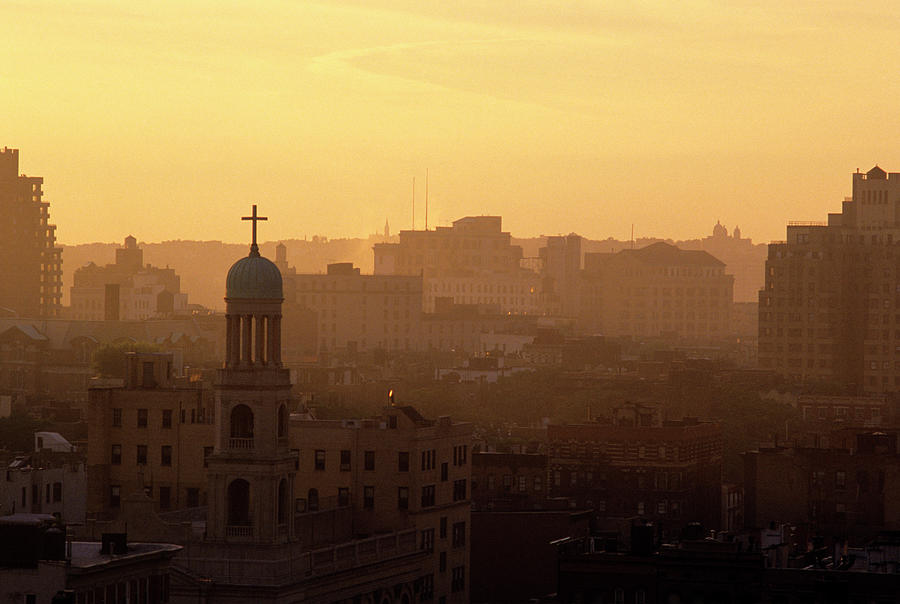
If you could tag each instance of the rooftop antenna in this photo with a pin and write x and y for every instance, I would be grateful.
(414, 204)
(426, 199)
(632, 235)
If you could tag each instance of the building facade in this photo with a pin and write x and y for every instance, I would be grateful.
(830, 308)
(30, 262)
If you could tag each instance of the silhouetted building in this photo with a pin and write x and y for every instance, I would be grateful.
(656, 291)
(472, 262)
(126, 290)
(30, 262)
(830, 310)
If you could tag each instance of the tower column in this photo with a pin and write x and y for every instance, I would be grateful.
(247, 339)
(261, 357)
(276, 339)
(229, 335)
(271, 355)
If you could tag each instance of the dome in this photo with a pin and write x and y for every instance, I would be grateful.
(254, 277)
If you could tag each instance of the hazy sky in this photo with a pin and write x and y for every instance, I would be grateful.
(166, 119)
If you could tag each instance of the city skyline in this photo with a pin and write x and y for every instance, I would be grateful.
(586, 117)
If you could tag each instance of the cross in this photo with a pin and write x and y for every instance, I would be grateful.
(254, 218)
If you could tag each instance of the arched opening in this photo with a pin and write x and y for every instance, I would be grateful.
(239, 503)
(241, 422)
(282, 421)
(312, 500)
(283, 503)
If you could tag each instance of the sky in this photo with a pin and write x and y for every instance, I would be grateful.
(167, 119)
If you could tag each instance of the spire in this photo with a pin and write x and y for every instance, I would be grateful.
(254, 249)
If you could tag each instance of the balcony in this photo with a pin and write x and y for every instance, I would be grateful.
(245, 531)
(240, 443)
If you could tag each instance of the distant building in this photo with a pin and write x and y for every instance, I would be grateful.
(561, 261)
(126, 290)
(30, 261)
(656, 291)
(472, 262)
(344, 310)
(45, 481)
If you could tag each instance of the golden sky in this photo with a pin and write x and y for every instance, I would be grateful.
(167, 119)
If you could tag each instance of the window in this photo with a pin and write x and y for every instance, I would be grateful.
(443, 562)
(167, 418)
(523, 483)
(345, 460)
(460, 453)
(142, 455)
(117, 417)
(165, 458)
(428, 496)
(427, 592)
(459, 489)
(369, 461)
(114, 495)
(312, 500)
(57, 492)
(115, 455)
(640, 507)
(443, 527)
(538, 483)
(458, 579)
(661, 507)
(428, 459)
(640, 596)
(840, 480)
(619, 596)
(459, 534)
(343, 497)
(193, 497)
(369, 498)
(142, 418)
(445, 472)
(165, 498)
(403, 461)
(319, 460)
(207, 451)
(402, 498)
(427, 540)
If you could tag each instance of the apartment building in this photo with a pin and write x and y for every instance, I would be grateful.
(667, 471)
(830, 309)
(30, 261)
(395, 472)
(151, 434)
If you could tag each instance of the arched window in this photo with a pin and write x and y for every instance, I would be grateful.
(283, 503)
(282, 422)
(239, 503)
(312, 500)
(241, 422)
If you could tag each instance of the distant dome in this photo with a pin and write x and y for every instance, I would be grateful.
(719, 230)
(254, 277)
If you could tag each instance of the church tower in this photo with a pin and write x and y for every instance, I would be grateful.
(252, 471)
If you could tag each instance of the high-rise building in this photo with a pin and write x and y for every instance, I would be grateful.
(830, 308)
(30, 262)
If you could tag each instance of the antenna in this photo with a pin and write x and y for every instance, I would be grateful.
(414, 204)
(426, 199)
(632, 235)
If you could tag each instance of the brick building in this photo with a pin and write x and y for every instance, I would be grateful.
(640, 465)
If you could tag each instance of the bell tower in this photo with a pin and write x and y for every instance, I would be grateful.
(252, 471)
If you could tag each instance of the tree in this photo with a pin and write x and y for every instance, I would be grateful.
(109, 360)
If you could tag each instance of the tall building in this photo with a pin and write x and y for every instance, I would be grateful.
(830, 309)
(30, 262)
(471, 262)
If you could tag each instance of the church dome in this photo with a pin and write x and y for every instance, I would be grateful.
(254, 277)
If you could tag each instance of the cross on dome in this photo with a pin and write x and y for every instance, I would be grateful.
(254, 249)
